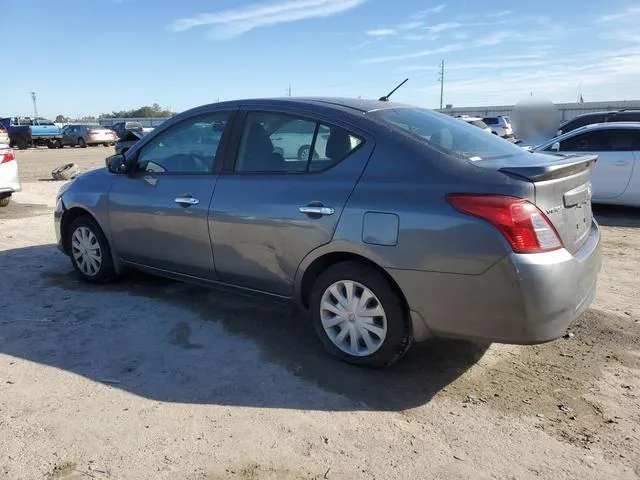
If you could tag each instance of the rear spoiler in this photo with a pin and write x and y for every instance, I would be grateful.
(571, 165)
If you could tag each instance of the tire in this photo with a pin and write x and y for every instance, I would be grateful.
(84, 232)
(52, 144)
(4, 201)
(22, 143)
(65, 172)
(81, 143)
(388, 347)
(303, 152)
(105, 144)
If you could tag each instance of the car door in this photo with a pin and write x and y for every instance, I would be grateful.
(159, 211)
(269, 212)
(611, 173)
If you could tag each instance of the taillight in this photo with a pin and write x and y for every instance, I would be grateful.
(525, 227)
(7, 155)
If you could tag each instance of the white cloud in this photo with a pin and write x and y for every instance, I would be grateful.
(388, 32)
(429, 11)
(382, 32)
(599, 72)
(232, 23)
(441, 27)
(631, 11)
(500, 14)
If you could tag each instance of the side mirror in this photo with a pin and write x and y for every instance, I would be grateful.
(555, 147)
(117, 164)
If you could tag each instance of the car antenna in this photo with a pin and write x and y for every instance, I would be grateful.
(386, 97)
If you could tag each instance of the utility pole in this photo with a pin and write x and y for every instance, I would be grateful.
(35, 105)
(289, 90)
(441, 78)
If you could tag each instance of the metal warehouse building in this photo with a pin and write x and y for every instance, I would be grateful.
(567, 110)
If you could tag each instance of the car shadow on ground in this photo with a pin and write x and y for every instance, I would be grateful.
(171, 341)
(617, 216)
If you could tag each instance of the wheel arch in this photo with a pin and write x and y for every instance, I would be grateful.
(324, 257)
(67, 219)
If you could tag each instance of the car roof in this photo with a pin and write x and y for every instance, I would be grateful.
(357, 104)
(608, 125)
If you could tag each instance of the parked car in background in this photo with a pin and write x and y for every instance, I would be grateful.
(4, 135)
(25, 132)
(499, 126)
(128, 140)
(121, 128)
(475, 121)
(82, 135)
(293, 140)
(384, 233)
(599, 117)
(616, 175)
(9, 174)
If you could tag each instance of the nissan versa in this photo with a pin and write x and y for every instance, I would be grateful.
(395, 225)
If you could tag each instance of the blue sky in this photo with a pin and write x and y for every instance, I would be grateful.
(93, 56)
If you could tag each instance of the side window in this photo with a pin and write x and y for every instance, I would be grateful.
(599, 140)
(624, 140)
(491, 120)
(282, 143)
(188, 147)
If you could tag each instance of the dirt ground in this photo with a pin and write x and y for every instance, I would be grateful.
(153, 379)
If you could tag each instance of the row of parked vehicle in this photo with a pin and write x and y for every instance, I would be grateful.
(24, 132)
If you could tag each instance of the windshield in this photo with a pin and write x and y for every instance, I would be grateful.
(447, 134)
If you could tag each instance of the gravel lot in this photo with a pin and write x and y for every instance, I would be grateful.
(151, 378)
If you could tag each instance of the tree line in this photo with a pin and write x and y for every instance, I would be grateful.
(155, 111)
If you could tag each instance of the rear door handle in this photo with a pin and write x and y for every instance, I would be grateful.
(621, 163)
(187, 201)
(317, 210)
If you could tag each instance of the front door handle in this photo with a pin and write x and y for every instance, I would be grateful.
(317, 210)
(187, 201)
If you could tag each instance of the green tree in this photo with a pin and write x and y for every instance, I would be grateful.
(143, 112)
(61, 119)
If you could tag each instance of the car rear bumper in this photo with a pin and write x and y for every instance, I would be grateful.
(9, 177)
(522, 299)
(100, 140)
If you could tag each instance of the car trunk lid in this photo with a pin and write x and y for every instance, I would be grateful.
(562, 190)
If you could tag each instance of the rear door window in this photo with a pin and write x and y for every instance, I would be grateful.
(283, 143)
(595, 141)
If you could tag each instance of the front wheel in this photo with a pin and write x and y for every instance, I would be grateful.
(4, 201)
(89, 251)
(359, 316)
(82, 143)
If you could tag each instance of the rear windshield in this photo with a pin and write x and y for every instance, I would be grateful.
(479, 123)
(447, 134)
(491, 120)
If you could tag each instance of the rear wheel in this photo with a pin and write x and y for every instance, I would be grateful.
(4, 201)
(89, 251)
(82, 143)
(359, 316)
(303, 153)
(22, 143)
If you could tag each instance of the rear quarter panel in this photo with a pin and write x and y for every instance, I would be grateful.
(411, 180)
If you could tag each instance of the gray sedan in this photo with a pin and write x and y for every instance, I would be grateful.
(401, 224)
